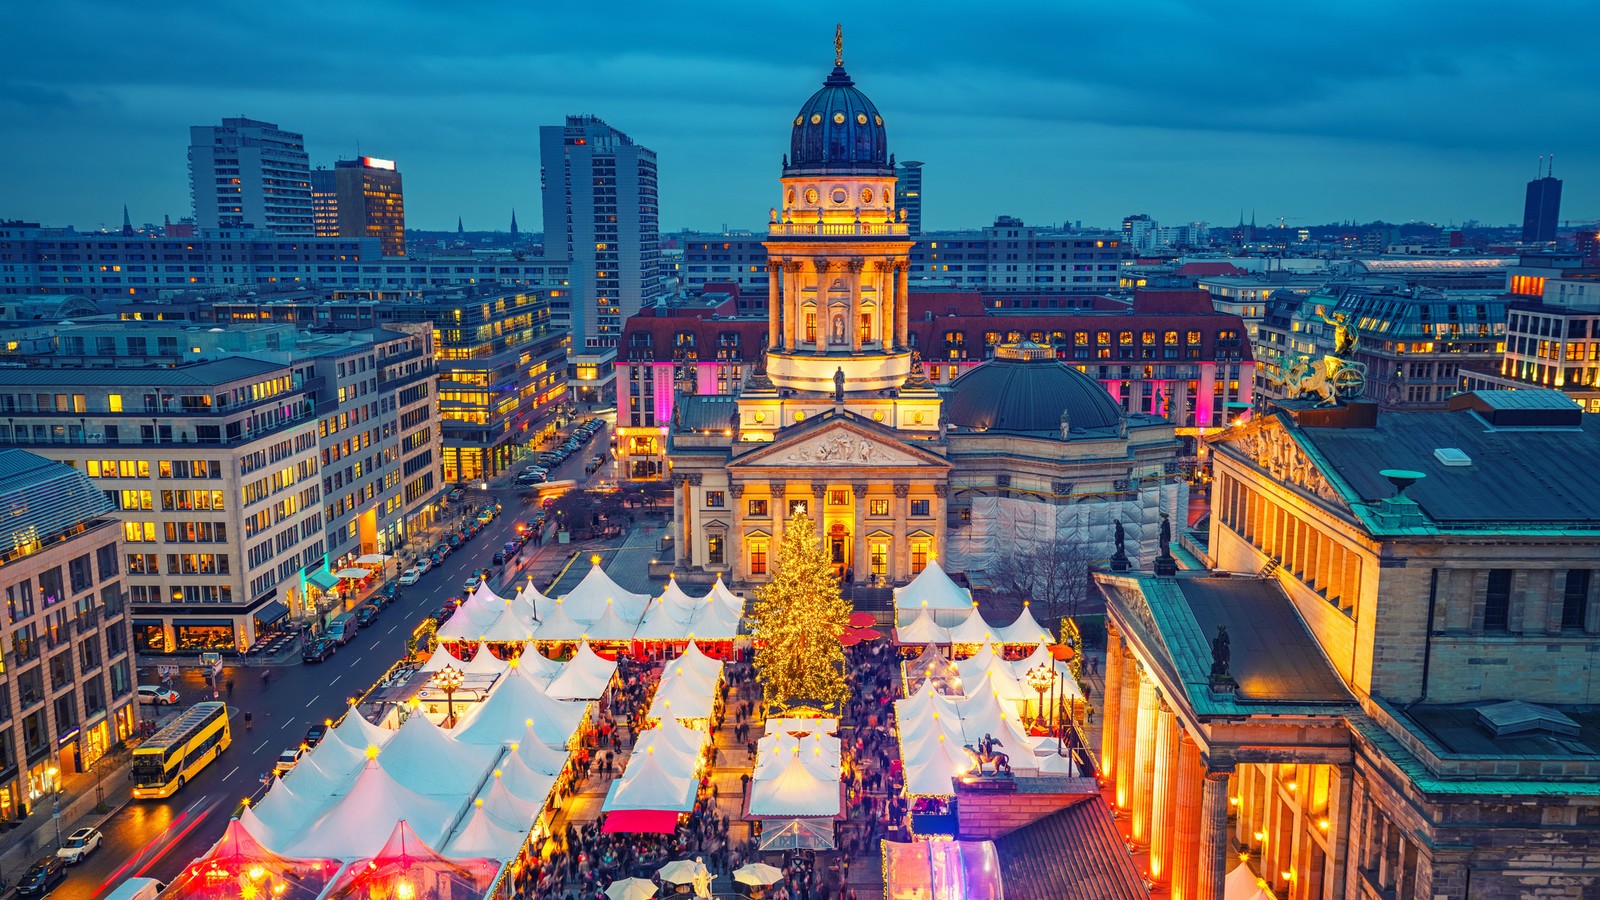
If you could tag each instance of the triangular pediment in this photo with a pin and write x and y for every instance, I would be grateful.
(1269, 445)
(837, 443)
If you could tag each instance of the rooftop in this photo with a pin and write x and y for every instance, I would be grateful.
(200, 374)
(1273, 656)
(42, 499)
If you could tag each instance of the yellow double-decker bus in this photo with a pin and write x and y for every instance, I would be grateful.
(177, 752)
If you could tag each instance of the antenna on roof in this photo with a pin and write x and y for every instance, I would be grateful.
(1552, 166)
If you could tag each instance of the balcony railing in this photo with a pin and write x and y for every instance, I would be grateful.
(836, 229)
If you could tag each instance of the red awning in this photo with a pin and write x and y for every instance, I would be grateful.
(641, 821)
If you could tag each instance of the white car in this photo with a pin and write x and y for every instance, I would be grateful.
(78, 845)
(409, 576)
(288, 759)
(472, 583)
(159, 696)
(424, 564)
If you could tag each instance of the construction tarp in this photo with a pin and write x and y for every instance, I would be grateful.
(1003, 526)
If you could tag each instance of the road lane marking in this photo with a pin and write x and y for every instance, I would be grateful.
(312, 700)
(337, 677)
(262, 746)
(392, 629)
(230, 773)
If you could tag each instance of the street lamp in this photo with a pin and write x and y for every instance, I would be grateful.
(448, 679)
(1040, 678)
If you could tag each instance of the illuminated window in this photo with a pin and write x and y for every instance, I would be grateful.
(919, 556)
(838, 497)
(877, 507)
(878, 551)
(714, 550)
(758, 557)
(919, 507)
(114, 402)
(758, 508)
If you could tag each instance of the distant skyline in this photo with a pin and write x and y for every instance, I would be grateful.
(1050, 112)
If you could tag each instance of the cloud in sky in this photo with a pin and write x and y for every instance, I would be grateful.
(1049, 111)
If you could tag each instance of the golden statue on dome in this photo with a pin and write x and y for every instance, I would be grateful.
(838, 44)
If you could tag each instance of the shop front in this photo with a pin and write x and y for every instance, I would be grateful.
(200, 635)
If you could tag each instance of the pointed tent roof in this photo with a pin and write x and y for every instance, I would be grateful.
(795, 790)
(359, 824)
(524, 782)
(674, 757)
(535, 666)
(716, 622)
(611, 626)
(485, 663)
(997, 679)
(919, 628)
(681, 605)
(406, 856)
(426, 759)
(441, 658)
(1025, 630)
(283, 811)
(511, 626)
(1242, 884)
(663, 622)
(481, 835)
(507, 808)
(313, 779)
(358, 733)
(557, 624)
(514, 703)
(239, 850)
(720, 593)
(933, 589)
(917, 727)
(689, 740)
(475, 614)
(1041, 656)
(586, 602)
(538, 755)
(647, 784)
(931, 776)
(931, 670)
(584, 677)
(985, 714)
(973, 629)
(684, 697)
(973, 667)
(694, 659)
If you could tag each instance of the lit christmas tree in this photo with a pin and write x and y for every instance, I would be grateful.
(797, 620)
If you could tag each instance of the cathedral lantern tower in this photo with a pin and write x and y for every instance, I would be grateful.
(838, 250)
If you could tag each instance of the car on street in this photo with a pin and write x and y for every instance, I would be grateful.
(315, 734)
(471, 583)
(424, 564)
(443, 614)
(366, 614)
(454, 540)
(499, 557)
(455, 495)
(317, 651)
(150, 694)
(78, 845)
(409, 576)
(42, 877)
(287, 760)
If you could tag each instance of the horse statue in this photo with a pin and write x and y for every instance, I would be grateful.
(1304, 377)
(987, 755)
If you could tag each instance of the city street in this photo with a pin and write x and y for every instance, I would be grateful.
(156, 838)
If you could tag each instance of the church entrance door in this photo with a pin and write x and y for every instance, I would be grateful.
(839, 550)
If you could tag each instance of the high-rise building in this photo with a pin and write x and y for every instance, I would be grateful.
(69, 661)
(908, 194)
(246, 173)
(600, 216)
(1542, 208)
(361, 197)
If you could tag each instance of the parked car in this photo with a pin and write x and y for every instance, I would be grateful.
(78, 845)
(409, 576)
(443, 614)
(454, 540)
(315, 734)
(287, 760)
(159, 696)
(424, 564)
(317, 651)
(41, 877)
(471, 583)
(499, 557)
(366, 614)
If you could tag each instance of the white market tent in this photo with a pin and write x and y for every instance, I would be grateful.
(1242, 884)
(586, 603)
(441, 658)
(778, 725)
(985, 715)
(535, 666)
(584, 677)
(556, 624)
(933, 590)
(524, 782)
(539, 755)
(1026, 630)
(481, 835)
(426, 759)
(932, 774)
(920, 628)
(475, 614)
(796, 790)
(485, 663)
(514, 706)
(674, 757)
(358, 733)
(1041, 656)
(610, 626)
(973, 630)
(649, 784)
(683, 697)
(507, 808)
(361, 821)
(512, 626)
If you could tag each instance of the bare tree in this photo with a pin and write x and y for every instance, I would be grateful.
(1053, 575)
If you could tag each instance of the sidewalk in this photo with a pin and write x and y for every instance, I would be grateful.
(37, 836)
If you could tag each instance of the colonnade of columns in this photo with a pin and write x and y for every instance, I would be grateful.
(1176, 803)
(1289, 819)
(787, 281)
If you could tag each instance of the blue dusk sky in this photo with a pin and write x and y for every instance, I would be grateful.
(1058, 111)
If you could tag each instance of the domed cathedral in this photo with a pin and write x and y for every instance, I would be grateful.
(841, 423)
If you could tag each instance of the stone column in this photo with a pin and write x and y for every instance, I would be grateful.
(1338, 833)
(791, 303)
(734, 551)
(824, 326)
(1144, 772)
(774, 304)
(819, 493)
(941, 515)
(780, 509)
(1213, 862)
(1164, 795)
(902, 311)
(1186, 819)
(1128, 730)
(900, 553)
(1111, 703)
(858, 536)
(854, 325)
(882, 323)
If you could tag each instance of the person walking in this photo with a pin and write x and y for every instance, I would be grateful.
(230, 688)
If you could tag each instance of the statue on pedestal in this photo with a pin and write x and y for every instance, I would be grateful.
(1220, 653)
(838, 385)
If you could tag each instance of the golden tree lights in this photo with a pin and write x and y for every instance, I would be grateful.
(797, 620)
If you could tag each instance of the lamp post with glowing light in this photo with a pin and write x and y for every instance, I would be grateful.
(448, 679)
(1040, 678)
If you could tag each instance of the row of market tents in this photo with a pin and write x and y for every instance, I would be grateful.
(933, 609)
(597, 610)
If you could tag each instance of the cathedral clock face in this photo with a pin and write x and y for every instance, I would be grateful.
(811, 195)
